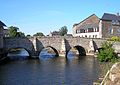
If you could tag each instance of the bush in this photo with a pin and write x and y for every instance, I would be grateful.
(107, 53)
(115, 38)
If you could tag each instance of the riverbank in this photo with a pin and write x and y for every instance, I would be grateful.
(105, 73)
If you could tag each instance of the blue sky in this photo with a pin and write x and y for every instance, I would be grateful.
(33, 16)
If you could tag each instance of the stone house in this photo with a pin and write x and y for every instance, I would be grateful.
(110, 24)
(94, 27)
(54, 33)
(1, 34)
(88, 28)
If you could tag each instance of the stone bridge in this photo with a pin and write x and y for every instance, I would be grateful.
(61, 45)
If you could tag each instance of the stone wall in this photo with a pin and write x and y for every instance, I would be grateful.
(34, 45)
(114, 75)
(1, 37)
(107, 26)
(27, 44)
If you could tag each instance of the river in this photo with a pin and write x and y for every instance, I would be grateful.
(49, 70)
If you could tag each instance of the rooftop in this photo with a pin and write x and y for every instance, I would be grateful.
(2, 24)
(110, 17)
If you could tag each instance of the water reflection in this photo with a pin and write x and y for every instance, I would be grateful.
(50, 71)
(18, 54)
(73, 55)
(45, 55)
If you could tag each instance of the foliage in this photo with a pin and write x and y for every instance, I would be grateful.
(20, 34)
(39, 34)
(13, 32)
(115, 38)
(107, 53)
(63, 30)
(28, 35)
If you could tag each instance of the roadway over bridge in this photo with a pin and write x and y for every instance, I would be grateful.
(61, 45)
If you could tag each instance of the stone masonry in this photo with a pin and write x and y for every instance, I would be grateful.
(34, 45)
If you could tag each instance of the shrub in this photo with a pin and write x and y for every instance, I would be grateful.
(107, 53)
(115, 38)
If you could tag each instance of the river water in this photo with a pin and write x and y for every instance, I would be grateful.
(49, 71)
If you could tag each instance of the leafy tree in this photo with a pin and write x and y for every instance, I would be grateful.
(20, 34)
(13, 32)
(107, 53)
(39, 34)
(63, 30)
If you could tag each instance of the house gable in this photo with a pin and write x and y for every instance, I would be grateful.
(89, 20)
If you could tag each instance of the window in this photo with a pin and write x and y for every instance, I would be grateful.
(82, 31)
(89, 36)
(76, 31)
(90, 30)
(111, 30)
(115, 22)
(118, 30)
(95, 36)
(97, 29)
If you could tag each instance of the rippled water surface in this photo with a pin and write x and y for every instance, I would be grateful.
(50, 71)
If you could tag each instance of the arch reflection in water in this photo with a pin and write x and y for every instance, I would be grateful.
(76, 52)
(48, 53)
(17, 54)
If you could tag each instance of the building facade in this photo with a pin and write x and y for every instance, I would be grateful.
(110, 24)
(54, 33)
(94, 27)
(1, 34)
(88, 28)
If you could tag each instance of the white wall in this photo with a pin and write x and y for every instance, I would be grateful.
(89, 35)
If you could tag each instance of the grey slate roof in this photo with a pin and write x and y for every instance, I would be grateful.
(110, 17)
(2, 24)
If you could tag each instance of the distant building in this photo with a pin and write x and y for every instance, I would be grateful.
(110, 24)
(1, 34)
(54, 33)
(94, 27)
(6, 34)
(88, 28)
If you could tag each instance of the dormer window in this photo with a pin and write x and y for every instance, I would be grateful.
(115, 22)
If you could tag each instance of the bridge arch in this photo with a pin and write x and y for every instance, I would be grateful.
(28, 51)
(54, 49)
(81, 50)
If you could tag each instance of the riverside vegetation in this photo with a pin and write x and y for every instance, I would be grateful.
(107, 56)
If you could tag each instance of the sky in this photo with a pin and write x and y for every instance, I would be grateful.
(32, 16)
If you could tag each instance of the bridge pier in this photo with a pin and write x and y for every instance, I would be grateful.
(34, 54)
(63, 48)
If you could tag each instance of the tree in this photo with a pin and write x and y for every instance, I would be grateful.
(13, 32)
(39, 34)
(20, 34)
(107, 53)
(63, 30)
